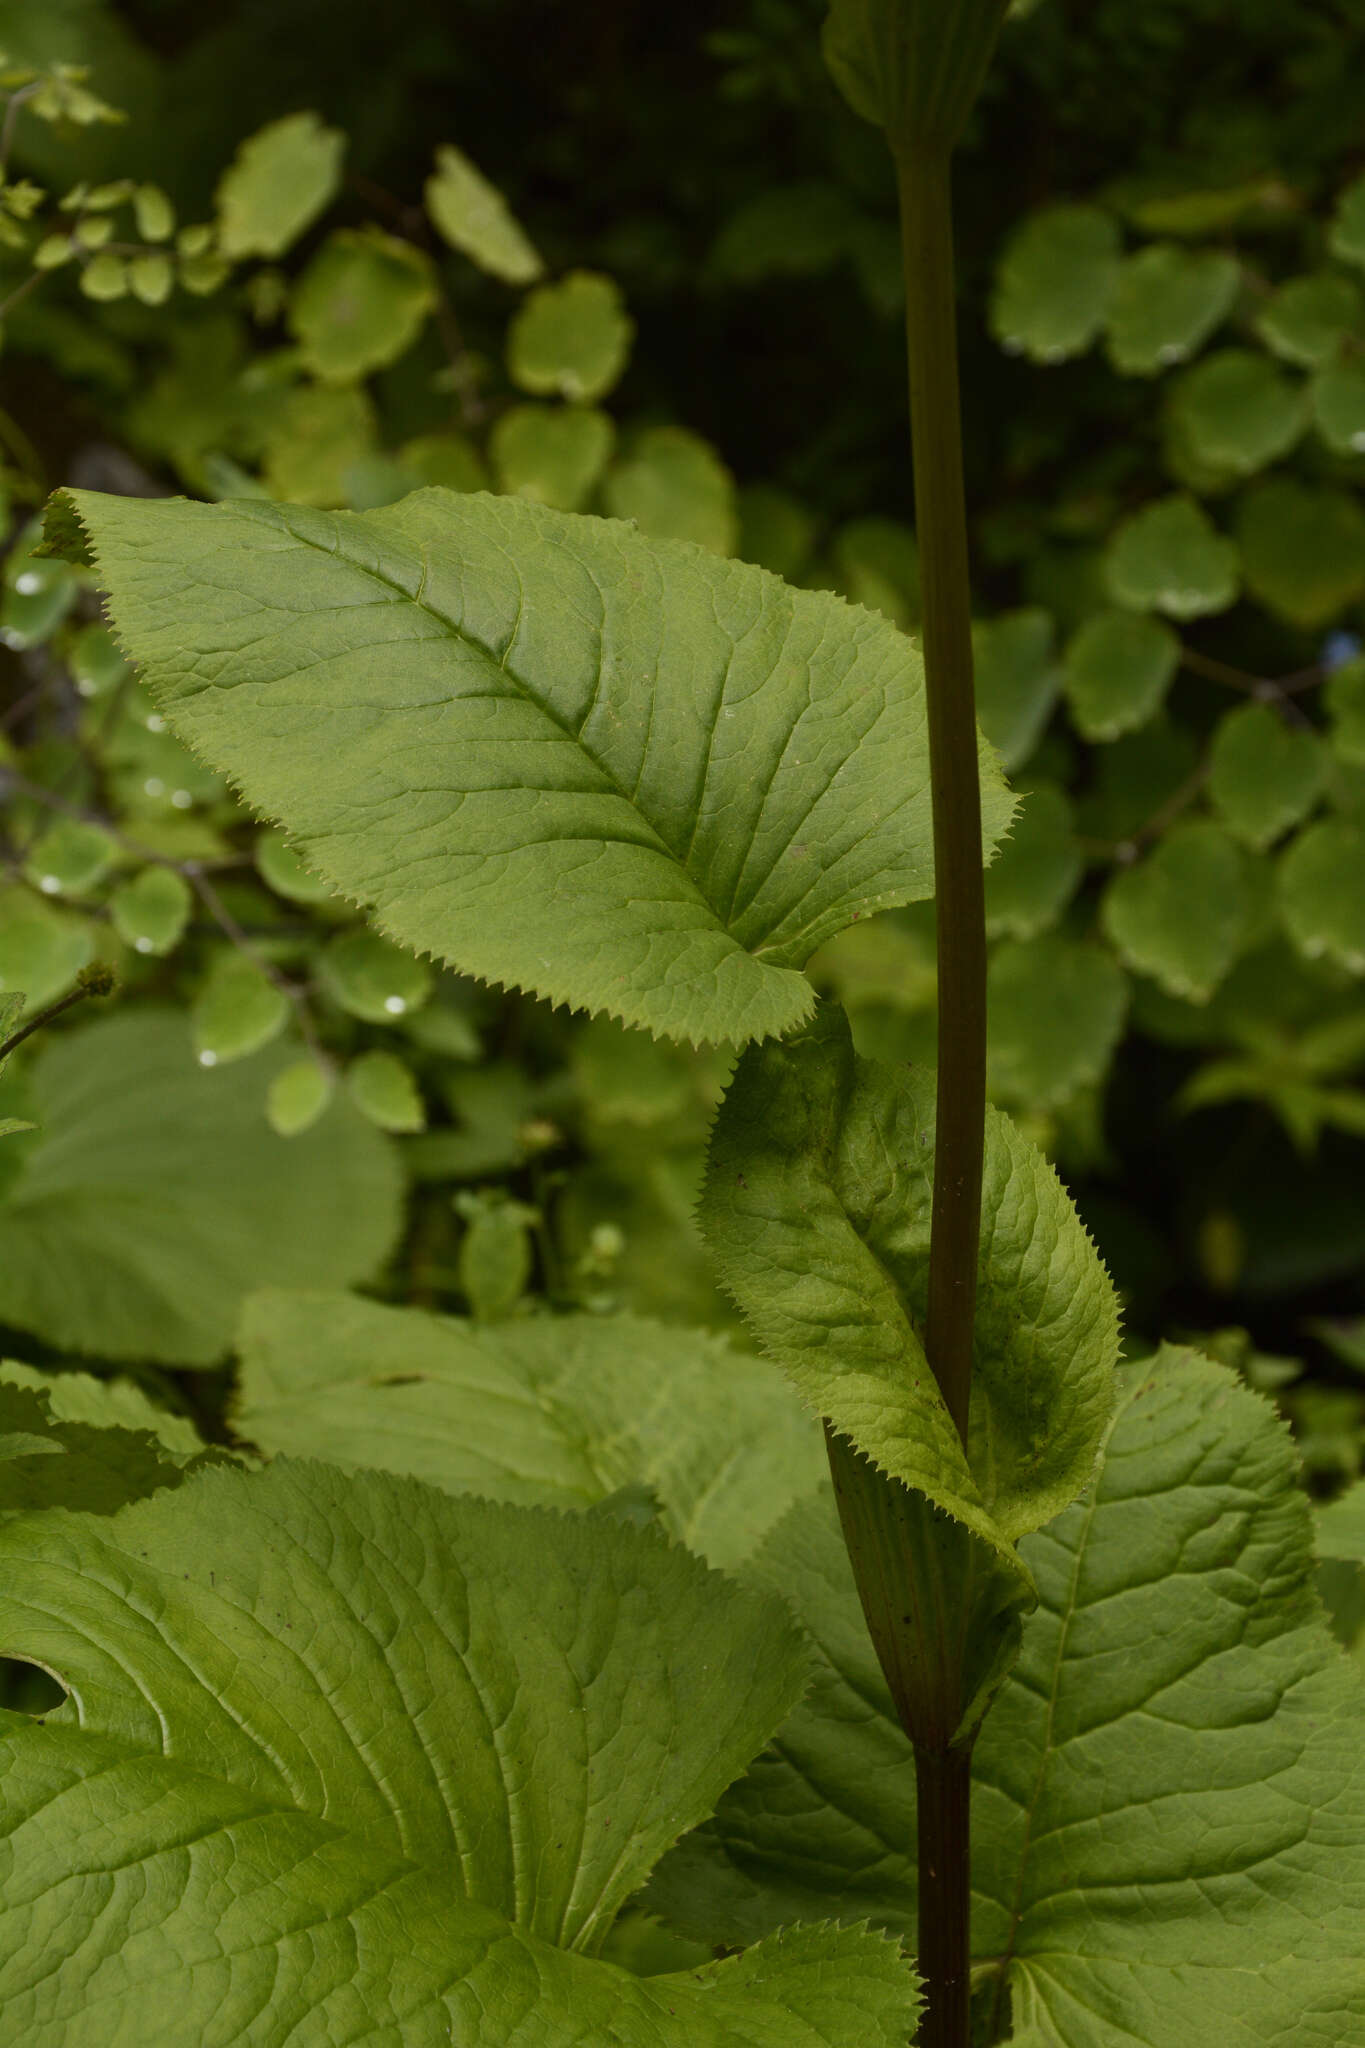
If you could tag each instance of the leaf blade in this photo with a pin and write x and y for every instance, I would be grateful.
(690, 729)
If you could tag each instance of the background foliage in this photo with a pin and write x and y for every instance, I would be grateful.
(299, 278)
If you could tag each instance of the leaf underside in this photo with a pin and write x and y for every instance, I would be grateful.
(1168, 1837)
(375, 1764)
(157, 1195)
(617, 772)
(555, 1411)
(816, 1209)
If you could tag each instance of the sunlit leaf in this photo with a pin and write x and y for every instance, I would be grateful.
(571, 338)
(675, 487)
(481, 661)
(279, 181)
(474, 218)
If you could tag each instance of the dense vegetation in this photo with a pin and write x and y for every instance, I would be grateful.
(373, 1156)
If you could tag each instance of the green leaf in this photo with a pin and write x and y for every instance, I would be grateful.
(675, 487)
(1341, 1526)
(360, 304)
(1056, 1008)
(42, 949)
(876, 564)
(776, 531)
(1056, 281)
(1339, 405)
(158, 1195)
(1236, 412)
(382, 1088)
(152, 277)
(1264, 774)
(70, 858)
(1347, 236)
(553, 456)
(447, 459)
(914, 70)
(1168, 1806)
(277, 184)
(372, 979)
(96, 662)
(571, 338)
(281, 867)
(1166, 304)
(1017, 681)
(153, 214)
(258, 1780)
(1118, 668)
(1170, 558)
(1321, 900)
(1307, 319)
(724, 771)
(474, 218)
(546, 1410)
(151, 910)
(66, 1446)
(1344, 696)
(1184, 912)
(108, 1404)
(320, 434)
(296, 1097)
(237, 1010)
(816, 1211)
(104, 277)
(1303, 550)
(1035, 874)
(495, 1260)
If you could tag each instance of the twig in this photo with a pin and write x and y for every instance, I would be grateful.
(93, 981)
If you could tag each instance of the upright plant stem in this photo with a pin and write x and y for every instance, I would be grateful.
(943, 1791)
(943, 1773)
(941, 526)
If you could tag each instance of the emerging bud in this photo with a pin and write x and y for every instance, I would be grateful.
(912, 66)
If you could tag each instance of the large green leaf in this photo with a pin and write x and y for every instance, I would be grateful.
(559, 1411)
(1169, 1806)
(157, 1195)
(366, 1758)
(816, 1210)
(620, 773)
(67, 1442)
